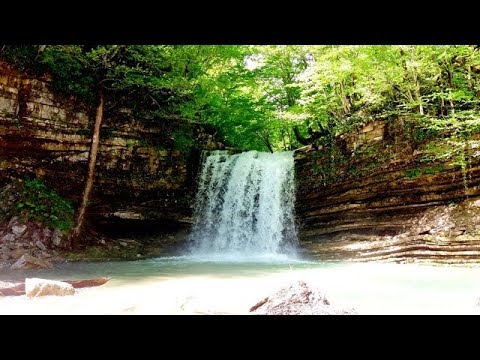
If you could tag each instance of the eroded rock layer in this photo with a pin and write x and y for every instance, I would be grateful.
(144, 169)
(381, 196)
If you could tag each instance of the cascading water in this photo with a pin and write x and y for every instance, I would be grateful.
(245, 205)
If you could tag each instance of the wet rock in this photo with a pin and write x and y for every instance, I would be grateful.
(298, 299)
(41, 287)
(27, 261)
(8, 237)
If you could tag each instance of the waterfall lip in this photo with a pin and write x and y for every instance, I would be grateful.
(244, 207)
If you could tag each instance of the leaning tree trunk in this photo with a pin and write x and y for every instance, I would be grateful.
(92, 158)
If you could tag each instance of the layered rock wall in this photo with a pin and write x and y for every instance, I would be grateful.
(144, 170)
(374, 195)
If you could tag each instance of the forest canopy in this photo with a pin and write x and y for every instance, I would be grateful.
(275, 97)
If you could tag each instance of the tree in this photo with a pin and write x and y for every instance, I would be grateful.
(99, 63)
(104, 69)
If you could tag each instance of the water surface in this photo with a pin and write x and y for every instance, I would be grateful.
(196, 285)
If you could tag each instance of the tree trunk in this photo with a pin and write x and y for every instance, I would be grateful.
(92, 158)
(302, 140)
(417, 92)
(451, 86)
(265, 137)
(345, 101)
(269, 146)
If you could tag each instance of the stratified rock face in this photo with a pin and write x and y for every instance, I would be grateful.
(140, 170)
(298, 299)
(41, 287)
(381, 197)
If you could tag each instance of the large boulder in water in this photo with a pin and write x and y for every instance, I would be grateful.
(298, 299)
(40, 287)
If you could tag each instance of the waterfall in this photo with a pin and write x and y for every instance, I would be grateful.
(245, 205)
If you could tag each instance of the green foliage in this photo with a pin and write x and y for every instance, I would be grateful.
(25, 57)
(183, 141)
(414, 173)
(257, 95)
(39, 203)
(70, 74)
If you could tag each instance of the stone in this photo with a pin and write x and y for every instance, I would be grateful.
(18, 230)
(47, 233)
(8, 237)
(35, 287)
(5, 256)
(18, 253)
(13, 221)
(27, 261)
(36, 237)
(298, 299)
(476, 203)
(367, 128)
(128, 215)
(57, 238)
(123, 243)
(41, 245)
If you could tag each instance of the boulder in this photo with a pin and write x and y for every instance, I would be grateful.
(298, 299)
(41, 245)
(13, 222)
(18, 230)
(18, 253)
(30, 262)
(35, 287)
(57, 238)
(47, 233)
(36, 237)
(8, 237)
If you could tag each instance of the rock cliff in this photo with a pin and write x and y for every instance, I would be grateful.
(376, 194)
(145, 170)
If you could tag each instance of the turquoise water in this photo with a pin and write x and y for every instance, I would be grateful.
(192, 285)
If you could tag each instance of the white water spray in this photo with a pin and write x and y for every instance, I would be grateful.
(245, 205)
